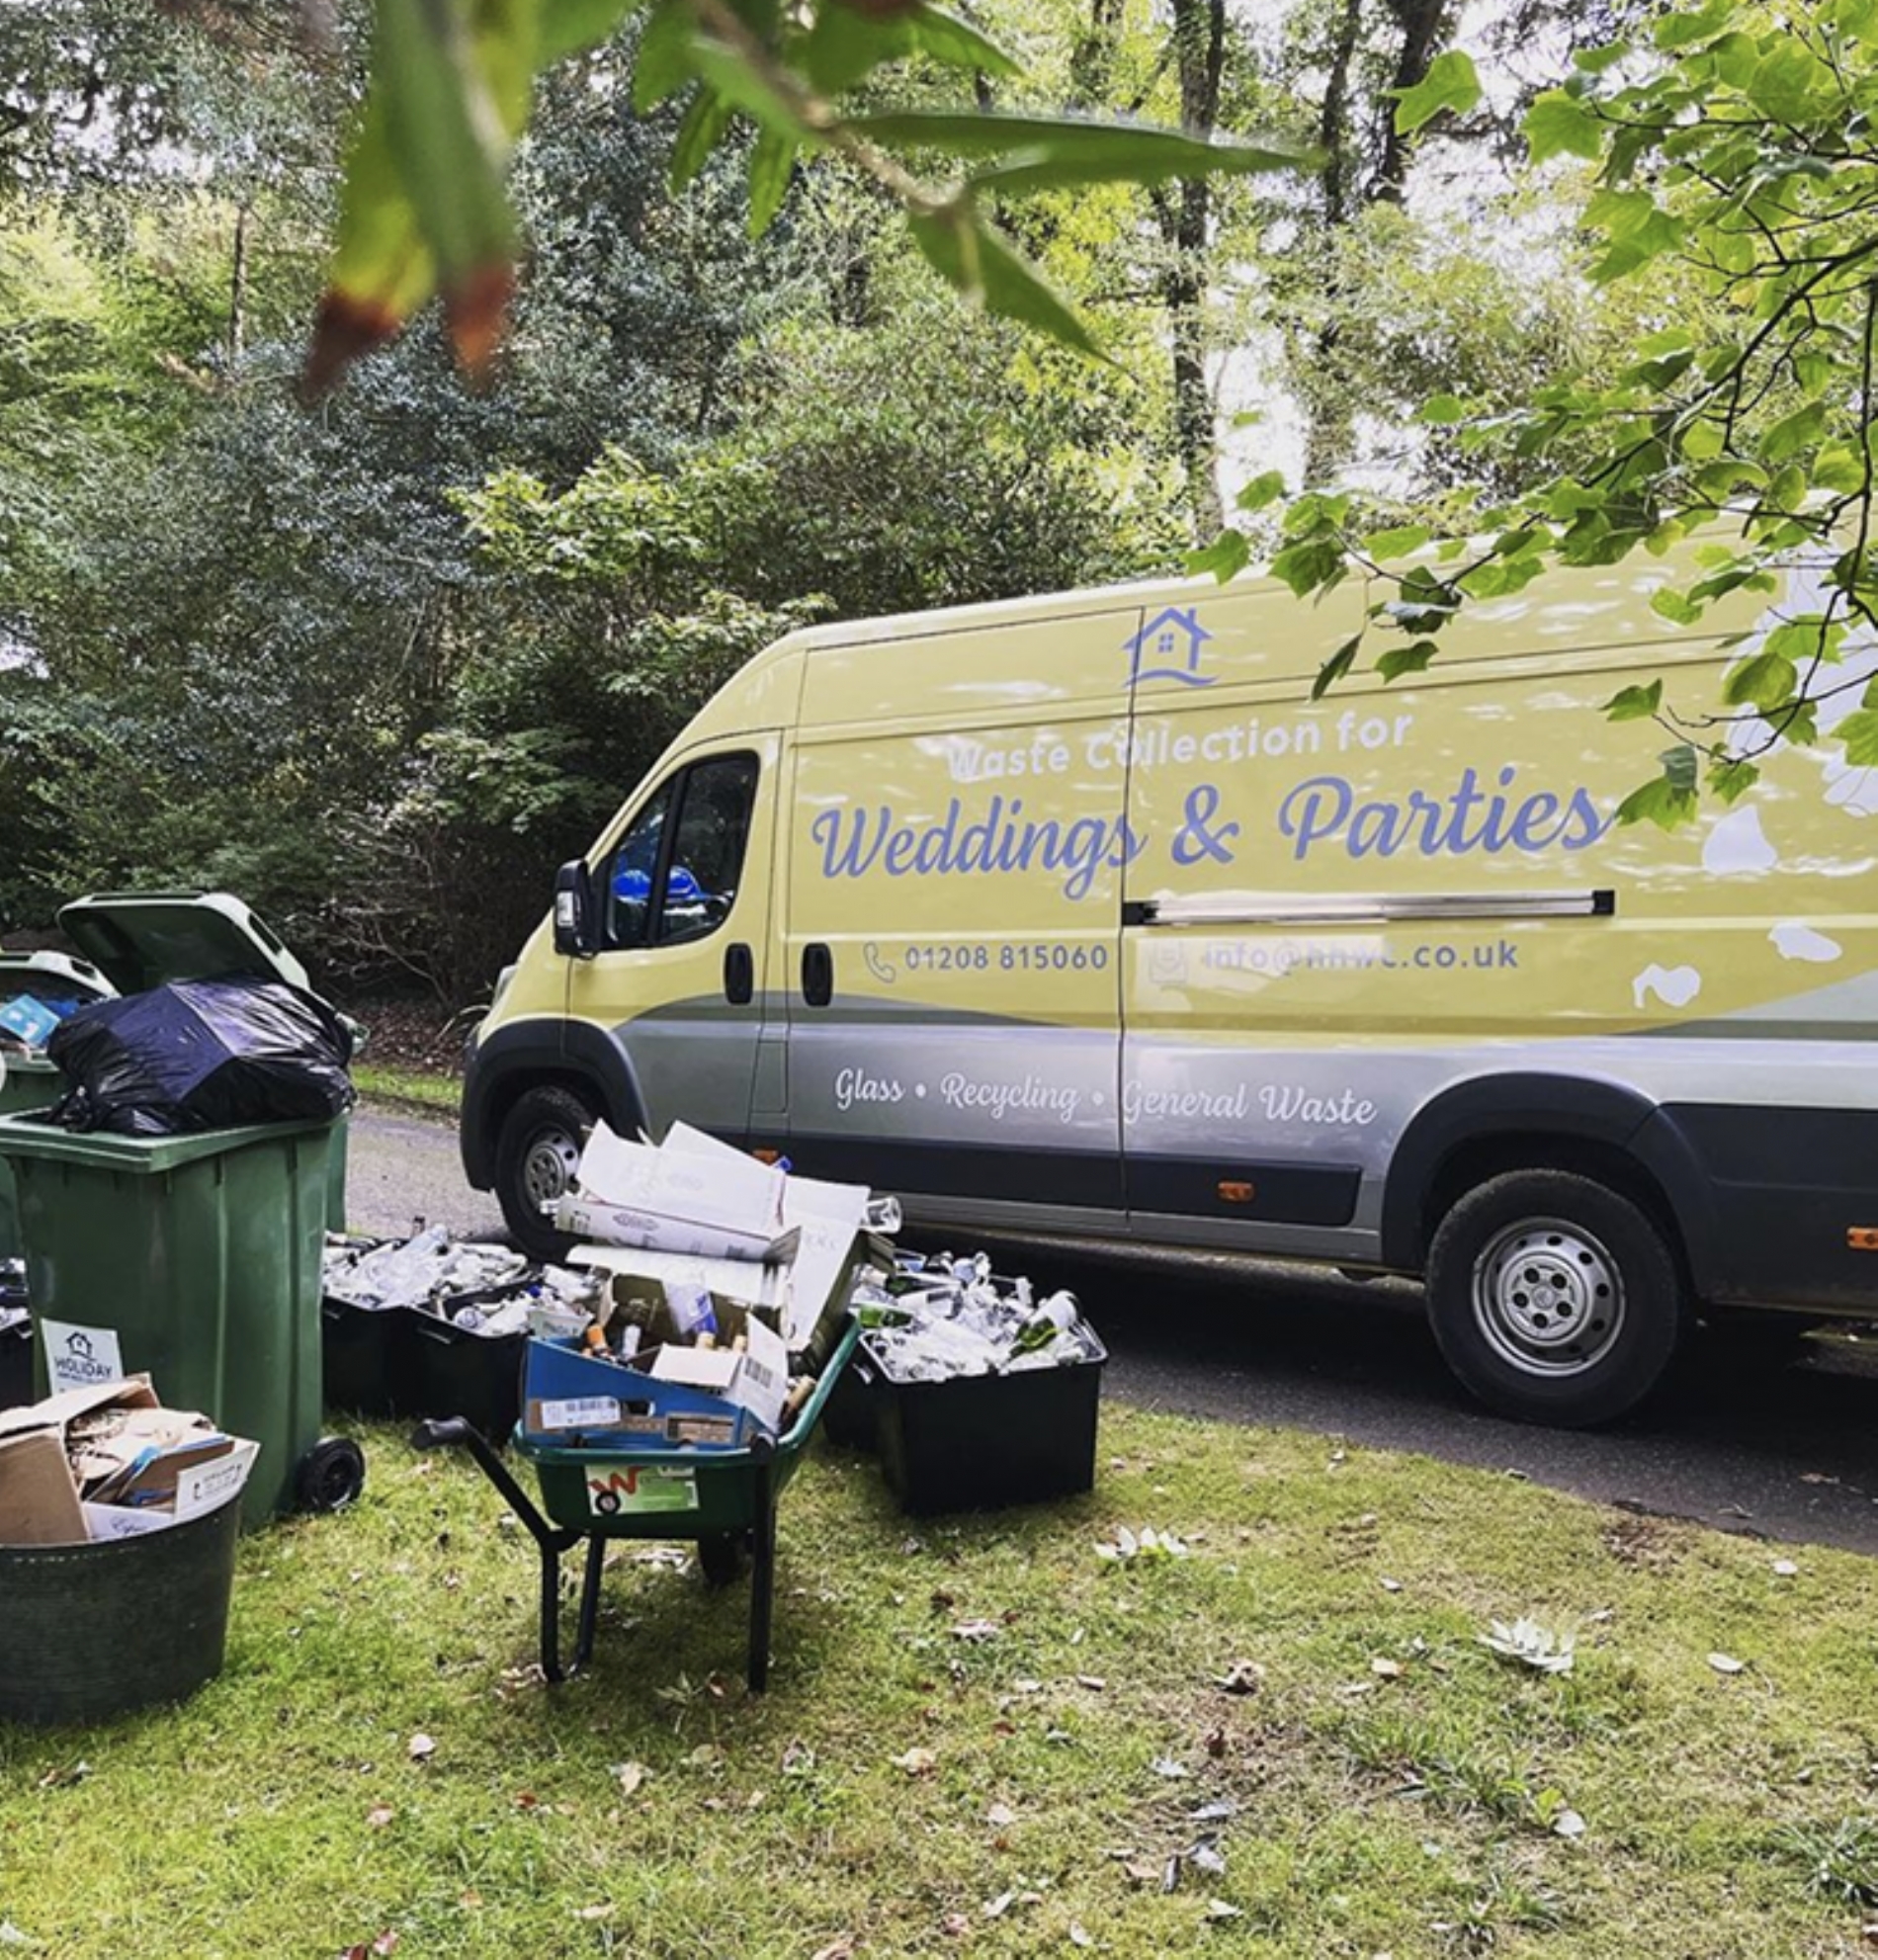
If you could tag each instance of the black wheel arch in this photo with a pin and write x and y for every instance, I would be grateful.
(1605, 1131)
(586, 1061)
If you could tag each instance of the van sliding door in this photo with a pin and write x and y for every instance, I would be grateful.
(953, 942)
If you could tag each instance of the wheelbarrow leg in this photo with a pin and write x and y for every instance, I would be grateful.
(762, 1578)
(589, 1601)
(551, 1612)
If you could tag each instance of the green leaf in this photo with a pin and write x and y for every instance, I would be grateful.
(1439, 409)
(1675, 607)
(1560, 125)
(1684, 29)
(1859, 732)
(1310, 565)
(1396, 542)
(946, 37)
(1658, 802)
(1794, 433)
(969, 255)
(705, 121)
(1732, 777)
(1226, 558)
(1791, 82)
(663, 63)
(1070, 149)
(1410, 659)
(1763, 682)
(1265, 488)
(1678, 766)
(1336, 667)
(772, 163)
(1450, 83)
(569, 26)
(738, 85)
(1635, 704)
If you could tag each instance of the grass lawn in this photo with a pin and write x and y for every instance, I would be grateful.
(423, 1088)
(981, 1738)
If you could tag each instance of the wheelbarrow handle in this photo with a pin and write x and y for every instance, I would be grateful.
(436, 1435)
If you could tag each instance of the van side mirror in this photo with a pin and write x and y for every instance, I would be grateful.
(576, 928)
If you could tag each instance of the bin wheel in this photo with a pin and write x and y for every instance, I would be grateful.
(330, 1476)
(720, 1556)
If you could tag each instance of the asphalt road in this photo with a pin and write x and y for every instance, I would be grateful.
(1788, 1454)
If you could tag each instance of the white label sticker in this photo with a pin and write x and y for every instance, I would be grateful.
(582, 1412)
(211, 1484)
(80, 1357)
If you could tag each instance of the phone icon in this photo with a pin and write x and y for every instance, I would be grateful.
(882, 968)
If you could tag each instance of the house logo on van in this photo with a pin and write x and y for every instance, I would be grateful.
(1171, 642)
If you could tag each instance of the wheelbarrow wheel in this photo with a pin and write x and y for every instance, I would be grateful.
(330, 1476)
(720, 1556)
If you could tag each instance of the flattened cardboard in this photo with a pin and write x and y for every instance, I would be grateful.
(727, 1207)
(39, 1502)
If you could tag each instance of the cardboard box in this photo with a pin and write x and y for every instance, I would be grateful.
(756, 1379)
(707, 1206)
(110, 1462)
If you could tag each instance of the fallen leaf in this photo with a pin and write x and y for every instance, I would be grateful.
(976, 1630)
(11, 1935)
(841, 1947)
(1001, 1814)
(1392, 1586)
(470, 1900)
(1815, 1476)
(915, 1763)
(1568, 1824)
(955, 1926)
(420, 1748)
(386, 1942)
(629, 1776)
(756, 1799)
(1726, 1663)
(1217, 1812)
(1206, 1857)
(1079, 1934)
(65, 1776)
(1386, 1669)
(1218, 1909)
(996, 1908)
(526, 1800)
(378, 1816)
(1785, 1569)
(1242, 1677)
(1094, 1681)
(1165, 1765)
(1139, 1874)
(1027, 1687)
(603, 1910)
(704, 1755)
(798, 1759)
(1214, 1741)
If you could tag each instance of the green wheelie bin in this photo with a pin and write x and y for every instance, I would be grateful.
(194, 1259)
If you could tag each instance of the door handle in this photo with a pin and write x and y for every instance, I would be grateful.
(817, 975)
(739, 975)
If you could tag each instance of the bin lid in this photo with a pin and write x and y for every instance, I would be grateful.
(54, 974)
(145, 939)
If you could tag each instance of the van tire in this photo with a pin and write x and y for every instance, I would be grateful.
(539, 1143)
(1555, 1299)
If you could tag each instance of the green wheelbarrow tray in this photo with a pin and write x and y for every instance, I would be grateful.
(723, 1500)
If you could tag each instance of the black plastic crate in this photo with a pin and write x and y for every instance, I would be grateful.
(365, 1356)
(979, 1442)
(459, 1371)
(15, 1364)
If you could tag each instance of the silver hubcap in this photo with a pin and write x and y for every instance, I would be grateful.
(548, 1167)
(1548, 1297)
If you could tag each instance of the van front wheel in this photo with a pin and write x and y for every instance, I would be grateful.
(537, 1153)
(1554, 1298)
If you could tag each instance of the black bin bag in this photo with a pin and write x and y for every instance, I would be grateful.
(201, 1055)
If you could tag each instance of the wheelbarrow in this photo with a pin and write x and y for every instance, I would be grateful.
(724, 1501)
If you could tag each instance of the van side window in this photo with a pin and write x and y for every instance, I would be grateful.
(673, 879)
(707, 856)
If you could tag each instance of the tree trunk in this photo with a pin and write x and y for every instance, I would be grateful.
(238, 290)
(1424, 24)
(1185, 218)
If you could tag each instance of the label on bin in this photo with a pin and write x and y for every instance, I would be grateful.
(638, 1488)
(80, 1357)
(582, 1412)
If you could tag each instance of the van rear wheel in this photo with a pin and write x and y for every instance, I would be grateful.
(537, 1155)
(1554, 1298)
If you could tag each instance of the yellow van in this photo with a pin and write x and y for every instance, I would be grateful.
(1077, 914)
